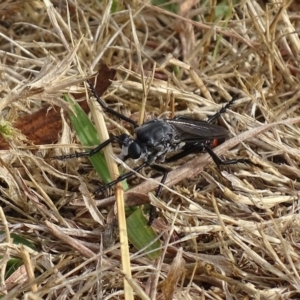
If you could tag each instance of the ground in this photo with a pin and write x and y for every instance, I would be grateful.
(228, 232)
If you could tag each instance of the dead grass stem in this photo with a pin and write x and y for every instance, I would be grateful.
(227, 233)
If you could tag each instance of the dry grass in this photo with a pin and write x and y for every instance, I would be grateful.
(229, 233)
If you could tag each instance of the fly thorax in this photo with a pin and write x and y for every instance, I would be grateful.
(156, 139)
(158, 153)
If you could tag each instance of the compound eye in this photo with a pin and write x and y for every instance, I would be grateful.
(134, 151)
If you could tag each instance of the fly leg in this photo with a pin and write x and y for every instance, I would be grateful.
(110, 140)
(121, 178)
(164, 171)
(219, 162)
(222, 110)
(193, 148)
(90, 152)
(153, 211)
(200, 147)
(122, 140)
(108, 109)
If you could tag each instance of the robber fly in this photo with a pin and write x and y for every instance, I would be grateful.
(157, 138)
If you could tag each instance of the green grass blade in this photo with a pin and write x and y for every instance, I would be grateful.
(139, 233)
(14, 262)
(87, 134)
(142, 236)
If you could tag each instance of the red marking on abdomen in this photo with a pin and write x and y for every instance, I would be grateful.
(215, 143)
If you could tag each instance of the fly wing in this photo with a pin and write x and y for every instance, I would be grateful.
(191, 130)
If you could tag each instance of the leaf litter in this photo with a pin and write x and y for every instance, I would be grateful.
(229, 233)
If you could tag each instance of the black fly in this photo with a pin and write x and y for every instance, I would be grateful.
(159, 137)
